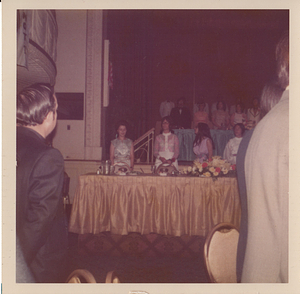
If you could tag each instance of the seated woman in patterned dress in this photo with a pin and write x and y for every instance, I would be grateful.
(121, 148)
(166, 145)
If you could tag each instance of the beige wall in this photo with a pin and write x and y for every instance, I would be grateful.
(71, 69)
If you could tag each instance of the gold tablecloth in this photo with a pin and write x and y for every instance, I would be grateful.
(153, 204)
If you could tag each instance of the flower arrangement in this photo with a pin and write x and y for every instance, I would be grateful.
(214, 167)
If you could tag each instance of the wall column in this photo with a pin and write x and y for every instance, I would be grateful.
(93, 88)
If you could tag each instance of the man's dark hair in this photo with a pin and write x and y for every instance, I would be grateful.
(34, 103)
(270, 96)
(282, 58)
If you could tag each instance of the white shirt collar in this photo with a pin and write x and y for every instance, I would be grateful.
(166, 134)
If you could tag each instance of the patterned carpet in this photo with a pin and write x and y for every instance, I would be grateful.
(139, 258)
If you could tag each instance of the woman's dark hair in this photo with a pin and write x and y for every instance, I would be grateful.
(34, 103)
(203, 131)
(223, 103)
(121, 123)
(241, 126)
(169, 120)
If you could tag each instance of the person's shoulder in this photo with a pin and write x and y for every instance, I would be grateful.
(236, 139)
(53, 153)
(114, 141)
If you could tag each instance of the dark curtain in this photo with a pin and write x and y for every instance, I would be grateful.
(130, 53)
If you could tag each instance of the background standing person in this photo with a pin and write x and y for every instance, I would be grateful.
(238, 117)
(254, 114)
(267, 184)
(220, 117)
(121, 148)
(181, 116)
(165, 108)
(166, 145)
(41, 222)
(201, 115)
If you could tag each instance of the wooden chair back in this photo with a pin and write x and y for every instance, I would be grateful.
(81, 276)
(220, 251)
(112, 277)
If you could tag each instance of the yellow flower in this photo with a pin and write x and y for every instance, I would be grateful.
(225, 171)
(212, 169)
(189, 169)
(215, 174)
(197, 163)
(207, 174)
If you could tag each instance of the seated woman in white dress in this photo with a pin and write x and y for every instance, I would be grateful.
(233, 144)
(203, 144)
(166, 145)
(121, 148)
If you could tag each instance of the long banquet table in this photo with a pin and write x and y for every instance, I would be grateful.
(146, 204)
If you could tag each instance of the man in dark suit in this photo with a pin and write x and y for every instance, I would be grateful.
(41, 222)
(181, 116)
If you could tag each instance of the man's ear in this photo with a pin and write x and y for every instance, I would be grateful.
(49, 116)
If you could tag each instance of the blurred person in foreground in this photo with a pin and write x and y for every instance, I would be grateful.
(41, 222)
(267, 183)
(270, 96)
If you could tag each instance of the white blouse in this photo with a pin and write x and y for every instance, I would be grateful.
(231, 149)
